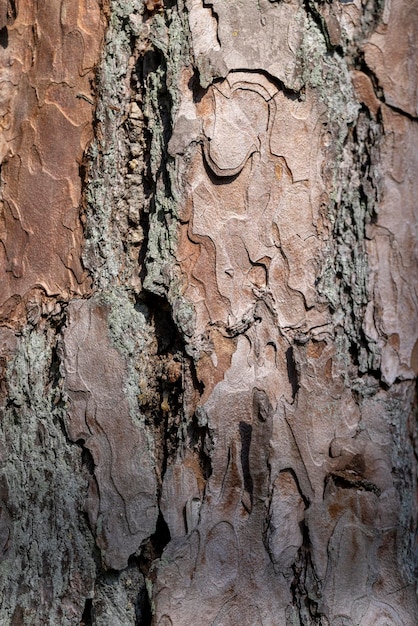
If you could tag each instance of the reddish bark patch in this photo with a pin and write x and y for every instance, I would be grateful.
(46, 117)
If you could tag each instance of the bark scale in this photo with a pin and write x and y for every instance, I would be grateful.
(209, 313)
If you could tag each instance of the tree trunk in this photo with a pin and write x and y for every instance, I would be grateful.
(209, 312)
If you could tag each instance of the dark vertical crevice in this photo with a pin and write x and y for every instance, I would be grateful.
(11, 11)
(312, 9)
(166, 334)
(198, 438)
(305, 587)
(4, 37)
(87, 617)
(292, 372)
(143, 612)
(150, 553)
(245, 431)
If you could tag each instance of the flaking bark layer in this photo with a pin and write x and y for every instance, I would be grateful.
(209, 313)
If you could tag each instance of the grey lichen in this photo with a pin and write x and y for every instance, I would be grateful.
(42, 482)
(113, 191)
(133, 335)
(401, 414)
(328, 73)
(353, 179)
(170, 36)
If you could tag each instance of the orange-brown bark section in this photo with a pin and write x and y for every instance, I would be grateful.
(48, 52)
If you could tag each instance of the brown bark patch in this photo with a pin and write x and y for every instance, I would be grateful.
(46, 117)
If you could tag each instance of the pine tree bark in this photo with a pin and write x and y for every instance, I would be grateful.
(208, 312)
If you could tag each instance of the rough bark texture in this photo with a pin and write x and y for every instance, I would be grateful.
(209, 312)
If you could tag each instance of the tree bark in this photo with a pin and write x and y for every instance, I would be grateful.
(208, 312)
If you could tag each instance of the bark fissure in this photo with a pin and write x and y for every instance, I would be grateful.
(305, 594)
(209, 412)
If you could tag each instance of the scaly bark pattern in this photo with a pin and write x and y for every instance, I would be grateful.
(209, 314)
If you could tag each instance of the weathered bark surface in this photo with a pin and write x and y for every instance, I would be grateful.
(48, 54)
(209, 313)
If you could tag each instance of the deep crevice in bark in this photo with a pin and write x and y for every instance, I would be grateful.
(154, 547)
(143, 612)
(321, 23)
(165, 413)
(292, 371)
(305, 587)
(87, 617)
(4, 37)
(343, 480)
(151, 551)
(395, 109)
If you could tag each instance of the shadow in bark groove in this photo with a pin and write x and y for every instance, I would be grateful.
(86, 618)
(305, 582)
(245, 431)
(150, 552)
(143, 613)
(292, 371)
(4, 37)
